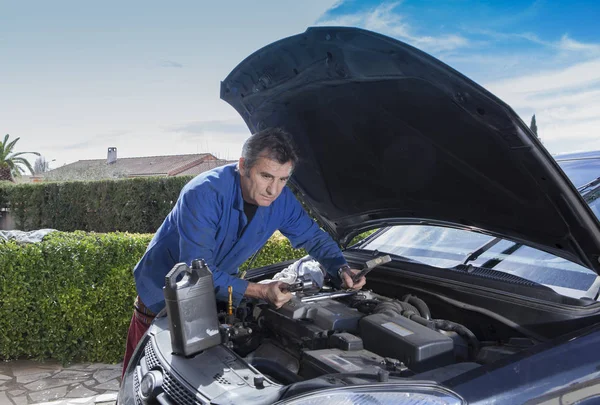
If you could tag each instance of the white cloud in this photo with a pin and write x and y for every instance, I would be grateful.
(211, 126)
(566, 103)
(569, 136)
(578, 75)
(503, 36)
(568, 44)
(565, 44)
(385, 20)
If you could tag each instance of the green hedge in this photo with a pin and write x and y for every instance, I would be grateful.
(70, 297)
(132, 205)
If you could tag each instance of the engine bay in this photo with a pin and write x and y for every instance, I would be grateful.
(323, 337)
(357, 332)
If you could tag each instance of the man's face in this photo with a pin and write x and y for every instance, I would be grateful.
(265, 180)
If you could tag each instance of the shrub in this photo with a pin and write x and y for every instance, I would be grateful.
(70, 296)
(131, 205)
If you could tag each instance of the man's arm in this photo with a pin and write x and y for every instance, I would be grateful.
(197, 218)
(303, 231)
(197, 221)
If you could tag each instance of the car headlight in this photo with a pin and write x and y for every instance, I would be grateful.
(381, 394)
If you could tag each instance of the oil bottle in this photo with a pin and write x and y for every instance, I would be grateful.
(191, 308)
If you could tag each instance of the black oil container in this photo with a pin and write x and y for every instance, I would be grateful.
(192, 308)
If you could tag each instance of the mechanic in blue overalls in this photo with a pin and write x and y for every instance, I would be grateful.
(225, 215)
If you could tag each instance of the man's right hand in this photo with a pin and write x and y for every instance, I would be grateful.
(275, 293)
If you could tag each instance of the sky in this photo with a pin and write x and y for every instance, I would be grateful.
(144, 76)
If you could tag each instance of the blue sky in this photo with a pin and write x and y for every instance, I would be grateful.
(77, 77)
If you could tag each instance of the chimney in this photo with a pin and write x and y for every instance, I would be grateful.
(112, 155)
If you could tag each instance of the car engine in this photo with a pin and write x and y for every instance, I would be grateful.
(322, 337)
(346, 332)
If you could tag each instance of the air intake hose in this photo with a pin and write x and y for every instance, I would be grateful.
(419, 304)
(462, 331)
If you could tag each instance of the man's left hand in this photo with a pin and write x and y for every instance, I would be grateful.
(347, 282)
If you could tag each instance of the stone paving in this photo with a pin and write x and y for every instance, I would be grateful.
(25, 382)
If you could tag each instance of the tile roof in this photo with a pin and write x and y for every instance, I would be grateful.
(97, 169)
(204, 166)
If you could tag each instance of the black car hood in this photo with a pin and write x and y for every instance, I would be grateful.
(389, 134)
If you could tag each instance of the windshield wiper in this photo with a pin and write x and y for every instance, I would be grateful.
(591, 184)
(394, 256)
(490, 264)
(480, 250)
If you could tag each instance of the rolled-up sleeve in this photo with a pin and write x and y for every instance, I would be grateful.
(304, 232)
(197, 219)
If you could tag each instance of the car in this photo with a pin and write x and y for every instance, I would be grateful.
(489, 293)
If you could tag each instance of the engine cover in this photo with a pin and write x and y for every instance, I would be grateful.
(309, 324)
(418, 347)
(326, 314)
(318, 362)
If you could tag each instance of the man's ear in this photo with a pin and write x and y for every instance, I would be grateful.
(241, 166)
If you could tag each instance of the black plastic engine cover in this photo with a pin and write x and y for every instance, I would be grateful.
(315, 363)
(418, 347)
(309, 325)
(326, 314)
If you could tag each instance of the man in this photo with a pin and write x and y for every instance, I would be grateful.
(225, 215)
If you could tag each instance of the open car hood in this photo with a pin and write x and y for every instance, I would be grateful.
(388, 134)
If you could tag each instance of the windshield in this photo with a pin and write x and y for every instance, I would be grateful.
(447, 248)
(593, 200)
(584, 170)
(581, 171)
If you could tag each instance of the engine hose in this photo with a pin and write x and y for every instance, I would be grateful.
(462, 331)
(365, 306)
(275, 370)
(419, 304)
(396, 308)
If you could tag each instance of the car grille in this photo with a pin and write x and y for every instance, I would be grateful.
(173, 388)
(136, 389)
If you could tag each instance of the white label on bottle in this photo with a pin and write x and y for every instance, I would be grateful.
(397, 329)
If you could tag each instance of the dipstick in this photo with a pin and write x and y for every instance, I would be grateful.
(230, 302)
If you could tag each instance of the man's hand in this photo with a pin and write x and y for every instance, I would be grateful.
(346, 277)
(276, 292)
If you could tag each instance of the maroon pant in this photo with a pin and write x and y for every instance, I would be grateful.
(140, 322)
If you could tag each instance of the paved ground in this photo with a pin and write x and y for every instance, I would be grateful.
(48, 383)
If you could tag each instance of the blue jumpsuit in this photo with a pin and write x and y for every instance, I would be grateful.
(208, 222)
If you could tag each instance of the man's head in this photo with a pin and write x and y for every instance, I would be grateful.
(268, 158)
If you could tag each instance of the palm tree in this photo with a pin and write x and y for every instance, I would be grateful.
(11, 164)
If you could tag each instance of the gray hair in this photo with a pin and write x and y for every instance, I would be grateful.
(272, 143)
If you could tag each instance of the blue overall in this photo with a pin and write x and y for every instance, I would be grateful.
(208, 222)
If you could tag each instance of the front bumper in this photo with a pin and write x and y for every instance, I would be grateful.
(216, 375)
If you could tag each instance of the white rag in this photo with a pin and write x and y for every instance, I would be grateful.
(304, 266)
